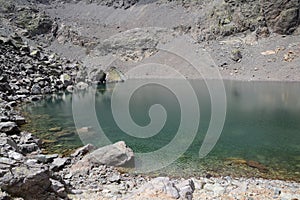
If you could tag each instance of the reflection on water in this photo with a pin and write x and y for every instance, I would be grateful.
(262, 124)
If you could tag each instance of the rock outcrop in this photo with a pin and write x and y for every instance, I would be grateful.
(132, 45)
(229, 17)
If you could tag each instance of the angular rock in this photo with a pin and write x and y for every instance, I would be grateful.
(112, 155)
(59, 163)
(15, 155)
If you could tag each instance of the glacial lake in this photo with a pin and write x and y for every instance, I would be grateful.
(262, 126)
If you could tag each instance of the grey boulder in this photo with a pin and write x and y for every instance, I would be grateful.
(9, 128)
(117, 154)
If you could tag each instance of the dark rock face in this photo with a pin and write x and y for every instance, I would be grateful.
(27, 182)
(9, 128)
(35, 22)
(282, 15)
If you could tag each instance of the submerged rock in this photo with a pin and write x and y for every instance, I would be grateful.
(257, 165)
(55, 129)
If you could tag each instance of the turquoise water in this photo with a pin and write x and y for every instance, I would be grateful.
(262, 124)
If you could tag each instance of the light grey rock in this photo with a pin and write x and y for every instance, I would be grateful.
(59, 163)
(15, 155)
(6, 162)
(9, 128)
(117, 154)
(216, 188)
(157, 186)
(114, 178)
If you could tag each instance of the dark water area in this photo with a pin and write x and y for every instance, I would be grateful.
(260, 137)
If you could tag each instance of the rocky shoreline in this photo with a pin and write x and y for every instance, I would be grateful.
(28, 72)
(26, 173)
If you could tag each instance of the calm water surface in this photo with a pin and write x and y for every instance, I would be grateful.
(262, 125)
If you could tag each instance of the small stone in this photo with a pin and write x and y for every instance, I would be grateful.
(236, 55)
(114, 178)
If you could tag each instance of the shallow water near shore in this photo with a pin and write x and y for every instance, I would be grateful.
(262, 125)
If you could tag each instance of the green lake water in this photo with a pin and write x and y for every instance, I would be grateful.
(262, 124)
